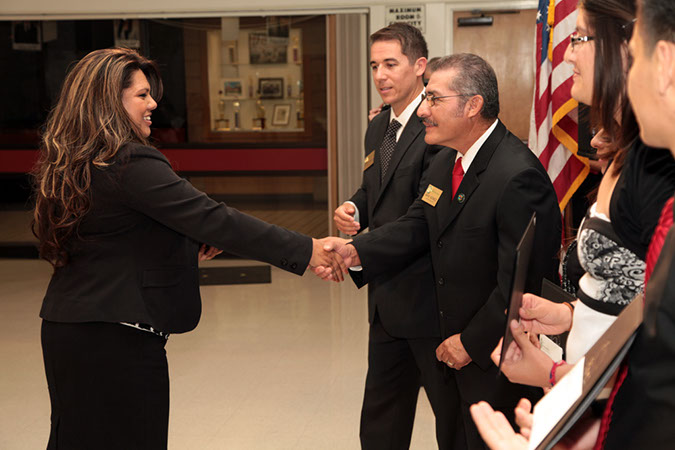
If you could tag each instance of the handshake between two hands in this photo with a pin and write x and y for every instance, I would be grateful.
(332, 257)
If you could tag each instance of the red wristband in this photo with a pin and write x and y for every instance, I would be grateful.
(551, 376)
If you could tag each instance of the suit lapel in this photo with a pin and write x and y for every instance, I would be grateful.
(379, 125)
(471, 180)
(412, 129)
(442, 179)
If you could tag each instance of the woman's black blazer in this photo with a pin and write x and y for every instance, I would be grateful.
(136, 256)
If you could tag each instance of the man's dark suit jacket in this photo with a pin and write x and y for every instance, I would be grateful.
(644, 407)
(404, 300)
(137, 259)
(472, 244)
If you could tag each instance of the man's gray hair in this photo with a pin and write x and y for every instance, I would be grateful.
(474, 76)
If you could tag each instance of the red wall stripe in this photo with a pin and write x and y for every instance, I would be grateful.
(206, 160)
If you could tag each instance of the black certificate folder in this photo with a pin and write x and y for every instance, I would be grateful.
(599, 364)
(521, 264)
(553, 292)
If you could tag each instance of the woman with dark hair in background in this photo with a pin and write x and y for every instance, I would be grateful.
(613, 239)
(122, 231)
(614, 236)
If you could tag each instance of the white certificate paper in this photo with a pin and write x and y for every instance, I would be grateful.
(553, 350)
(553, 406)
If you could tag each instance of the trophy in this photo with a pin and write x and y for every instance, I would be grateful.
(259, 119)
(237, 114)
(222, 124)
(295, 50)
(300, 111)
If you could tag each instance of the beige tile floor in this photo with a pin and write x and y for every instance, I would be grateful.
(271, 366)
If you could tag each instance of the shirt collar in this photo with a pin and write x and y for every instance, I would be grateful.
(470, 154)
(407, 112)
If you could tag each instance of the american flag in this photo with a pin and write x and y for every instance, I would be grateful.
(553, 123)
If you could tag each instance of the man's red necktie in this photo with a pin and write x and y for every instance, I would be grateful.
(457, 175)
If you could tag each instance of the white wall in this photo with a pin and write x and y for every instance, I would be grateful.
(436, 31)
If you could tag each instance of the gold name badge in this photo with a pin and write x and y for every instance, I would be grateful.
(370, 159)
(431, 195)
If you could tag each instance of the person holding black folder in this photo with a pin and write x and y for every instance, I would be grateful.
(614, 236)
(641, 407)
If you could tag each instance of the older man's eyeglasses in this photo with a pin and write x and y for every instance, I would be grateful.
(575, 39)
(431, 99)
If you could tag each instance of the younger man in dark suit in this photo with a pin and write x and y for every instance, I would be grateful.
(402, 311)
(477, 202)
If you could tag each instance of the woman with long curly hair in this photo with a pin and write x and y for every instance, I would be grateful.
(123, 233)
(86, 129)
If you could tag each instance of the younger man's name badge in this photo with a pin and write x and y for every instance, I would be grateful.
(370, 159)
(431, 195)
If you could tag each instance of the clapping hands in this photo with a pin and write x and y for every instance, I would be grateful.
(496, 430)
